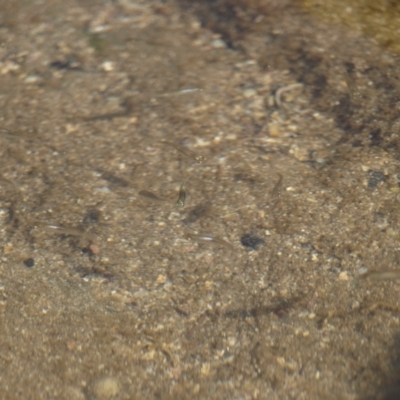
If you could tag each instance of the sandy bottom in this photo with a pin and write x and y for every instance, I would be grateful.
(273, 277)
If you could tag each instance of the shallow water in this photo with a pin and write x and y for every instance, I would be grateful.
(104, 292)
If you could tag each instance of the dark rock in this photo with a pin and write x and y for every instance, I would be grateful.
(375, 178)
(251, 241)
(29, 262)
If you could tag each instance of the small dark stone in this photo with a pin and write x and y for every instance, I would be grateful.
(92, 216)
(375, 178)
(251, 241)
(29, 262)
(375, 137)
(59, 64)
(69, 64)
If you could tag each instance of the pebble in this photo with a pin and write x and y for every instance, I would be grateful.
(29, 262)
(107, 66)
(218, 44)
(73, 393)
(375, 178)
(299, 153)
(106, 388)
(251, 241)
(249, 93)
(274, 130)
(344, 276)
(32, 79)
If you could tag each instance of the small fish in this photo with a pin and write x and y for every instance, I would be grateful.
(188, 153)
(280, 91)
(150, 195)
(277, 189)
(209, 239)
(64, 230)
(197, 212)
(382, 275)
(113, 179)
(182, 196)
(182, 91)
(106, 116)
(5, 180)
(352, 89)
(12, 136)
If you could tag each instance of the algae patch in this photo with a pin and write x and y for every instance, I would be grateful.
(376, 18)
